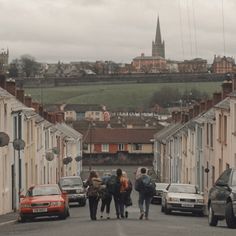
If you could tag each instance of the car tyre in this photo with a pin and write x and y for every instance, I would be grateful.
(167, 211)
(212, 219)
(229, 216)
(162, 209)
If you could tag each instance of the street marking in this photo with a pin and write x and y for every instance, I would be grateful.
(8, 222)
(120, 231)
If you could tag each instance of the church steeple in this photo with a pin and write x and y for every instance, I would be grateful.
(158, 32)
(158, 46)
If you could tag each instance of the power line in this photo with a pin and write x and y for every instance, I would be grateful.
(223, 24)
(181, 30)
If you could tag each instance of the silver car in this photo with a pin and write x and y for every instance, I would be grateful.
(160, 187)
(182, 197)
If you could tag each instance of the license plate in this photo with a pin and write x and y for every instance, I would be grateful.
(39, 210)
(187, 205)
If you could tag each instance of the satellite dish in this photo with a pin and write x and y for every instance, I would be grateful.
(55, 150)
(78, 158)
(69, 159)
(49, 156)
(19, 144)
(4, 139)
(65, 161)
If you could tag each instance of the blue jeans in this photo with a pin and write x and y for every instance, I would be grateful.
(141, 200)
(120, 204)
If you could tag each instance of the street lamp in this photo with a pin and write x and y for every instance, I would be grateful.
(18, 145)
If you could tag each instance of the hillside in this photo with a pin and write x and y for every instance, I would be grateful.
(114, 96)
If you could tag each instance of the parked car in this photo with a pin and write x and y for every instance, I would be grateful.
(160, 187)
(43, 200)
(74, 187)
(222, 199)
(182, 197)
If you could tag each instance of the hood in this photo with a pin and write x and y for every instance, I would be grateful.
(81, 188)
(36, 199)
(185, 195)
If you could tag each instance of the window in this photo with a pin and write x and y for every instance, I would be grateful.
(225, 129)
(121, 147)
(211, 135)
(207, 133)
(137, 147)
(220, 126)
(105, 148)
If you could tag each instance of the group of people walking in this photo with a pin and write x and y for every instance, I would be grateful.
(117, 187)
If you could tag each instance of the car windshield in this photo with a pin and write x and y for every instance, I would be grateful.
(43, 191)
(182, 189)
(161, 186)
(69, 182)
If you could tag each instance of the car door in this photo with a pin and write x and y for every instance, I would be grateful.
(220, 192)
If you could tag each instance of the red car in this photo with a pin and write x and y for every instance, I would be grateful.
(43, 200)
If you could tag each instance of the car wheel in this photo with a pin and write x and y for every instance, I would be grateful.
(167, 211)
(212, 219)
(229, 216)
(162, 209)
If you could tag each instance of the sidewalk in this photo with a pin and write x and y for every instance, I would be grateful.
(8, 218)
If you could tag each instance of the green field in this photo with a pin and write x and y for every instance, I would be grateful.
(113, 96)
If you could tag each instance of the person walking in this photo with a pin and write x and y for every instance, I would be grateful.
(94, 184)
(127, 197)
(146, 188)
(106, 197)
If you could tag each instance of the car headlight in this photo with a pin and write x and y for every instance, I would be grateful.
(56, 203)
(25, 205)
(79, 191)
(200, 200)
(173, 199)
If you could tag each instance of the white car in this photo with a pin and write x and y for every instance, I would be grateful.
(182, 197)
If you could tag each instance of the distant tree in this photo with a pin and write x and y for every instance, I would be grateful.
(165, 97)
(29, 66)
(13, 68)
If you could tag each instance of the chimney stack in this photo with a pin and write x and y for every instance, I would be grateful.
(226, 88)
(59, 117)
(202, 106)
(3, 81)
(28, 100)
(36, 105)
(196, 110)
(216, 98)
(11, 87)
(20, 95)
(209, 104)
(190, 112)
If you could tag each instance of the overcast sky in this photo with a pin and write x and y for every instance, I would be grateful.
(118, 30)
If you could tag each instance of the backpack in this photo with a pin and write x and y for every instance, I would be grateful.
(149, 188)
(113, 185)
(95, 187)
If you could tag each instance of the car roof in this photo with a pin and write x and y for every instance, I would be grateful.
(183, 184)
(71, 177)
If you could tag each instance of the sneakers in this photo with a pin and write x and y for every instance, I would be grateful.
(126, 214)
(141, 216)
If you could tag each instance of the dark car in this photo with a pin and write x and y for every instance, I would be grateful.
(222, 199)
(74, 187)
(160, 187)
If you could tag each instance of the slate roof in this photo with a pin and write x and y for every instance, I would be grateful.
(224, 104)
(82, 107)
(120, 135)
(68, 131)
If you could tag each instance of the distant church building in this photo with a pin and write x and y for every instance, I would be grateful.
(158, 46)
(155, 63)
(4, 56)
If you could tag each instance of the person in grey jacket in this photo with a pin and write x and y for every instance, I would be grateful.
(140, 184)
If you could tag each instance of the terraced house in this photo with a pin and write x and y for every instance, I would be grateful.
(33, 150)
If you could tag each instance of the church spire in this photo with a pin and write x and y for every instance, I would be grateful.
(158, 32)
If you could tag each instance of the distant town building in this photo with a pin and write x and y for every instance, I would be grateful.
(197, 65)
(4, 57)
(223, 65)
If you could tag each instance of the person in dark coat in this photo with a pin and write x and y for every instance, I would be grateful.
(106, 197)
(140, 183)
(93, 184)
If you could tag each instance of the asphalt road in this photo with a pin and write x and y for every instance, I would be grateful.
(80, 224)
